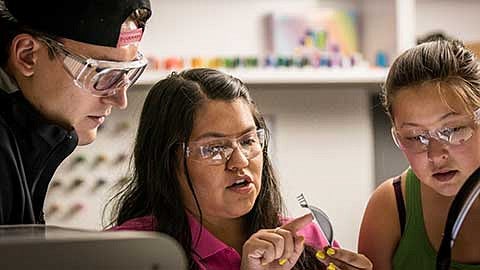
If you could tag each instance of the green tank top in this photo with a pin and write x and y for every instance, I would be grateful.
(414, 250)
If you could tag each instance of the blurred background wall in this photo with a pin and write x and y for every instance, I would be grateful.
(331, 140)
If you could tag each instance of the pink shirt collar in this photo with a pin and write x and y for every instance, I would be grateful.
(204, 243)
(209, 252)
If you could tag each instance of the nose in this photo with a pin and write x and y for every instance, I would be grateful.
(237, 160)
(119, 99)
(437, 152)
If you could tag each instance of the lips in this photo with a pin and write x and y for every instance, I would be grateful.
(240, 181)
(445, 176)
(97, 116)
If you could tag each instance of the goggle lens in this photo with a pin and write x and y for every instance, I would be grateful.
(108, 80)
(105, 83)
(102, 78)
(219, 151)
(418, 142)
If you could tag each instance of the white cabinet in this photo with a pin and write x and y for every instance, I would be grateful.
(325, 138)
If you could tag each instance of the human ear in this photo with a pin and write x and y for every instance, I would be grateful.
(24, 54)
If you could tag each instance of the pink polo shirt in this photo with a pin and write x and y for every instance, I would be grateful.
(211, 253)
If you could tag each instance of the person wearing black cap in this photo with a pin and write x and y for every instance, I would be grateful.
(63, 66)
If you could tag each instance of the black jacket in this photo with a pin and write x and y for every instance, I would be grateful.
(31, 149)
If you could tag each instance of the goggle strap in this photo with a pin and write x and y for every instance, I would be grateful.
(75, 68)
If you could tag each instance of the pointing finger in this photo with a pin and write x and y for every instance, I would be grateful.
(298, 223)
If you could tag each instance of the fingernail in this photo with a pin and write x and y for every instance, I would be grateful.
(264, 263)
(320, 255)
(282, 261)
(331, 266)
(330, 251)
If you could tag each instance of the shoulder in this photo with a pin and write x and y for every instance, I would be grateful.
(380, 228)
(381, 211)
(383, 200)
(384, 195)
(146, 223)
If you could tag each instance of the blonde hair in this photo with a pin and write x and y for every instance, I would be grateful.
(446, 64)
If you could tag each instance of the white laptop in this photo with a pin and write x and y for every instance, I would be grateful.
(43, 247)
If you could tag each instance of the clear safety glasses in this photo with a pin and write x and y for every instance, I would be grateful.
(455, 132)
(219, 150)
(101, 78)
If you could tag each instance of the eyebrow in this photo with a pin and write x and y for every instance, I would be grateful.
(443, 117)
(222, 135)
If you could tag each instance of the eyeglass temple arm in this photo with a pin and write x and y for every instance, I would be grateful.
(461, 204)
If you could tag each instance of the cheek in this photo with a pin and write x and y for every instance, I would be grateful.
(474, 144)
(182, 179)
(59, 81)
(204, 178)
(76, 115)
(418, 162)
(256, 167)
(198, 182)
(59, 105)
(416, 159)
(467, 155)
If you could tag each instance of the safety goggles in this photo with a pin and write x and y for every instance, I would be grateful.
(101, 78)
(219, 150)
(456, 132)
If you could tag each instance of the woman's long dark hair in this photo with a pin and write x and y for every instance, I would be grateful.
(167, 121)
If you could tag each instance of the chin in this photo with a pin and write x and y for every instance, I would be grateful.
(447, 189)
(245, 210)
(86, 137)
(448, 193)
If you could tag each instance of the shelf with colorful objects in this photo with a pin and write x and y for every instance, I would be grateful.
(367, 76)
